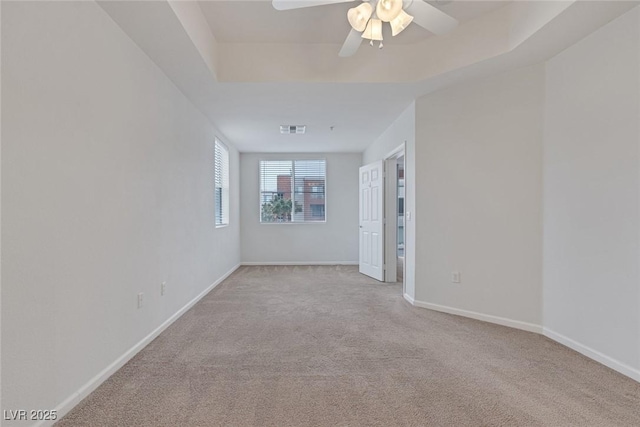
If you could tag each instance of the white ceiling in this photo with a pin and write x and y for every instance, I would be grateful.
(248, 113)
(340, 117)
(256, 21)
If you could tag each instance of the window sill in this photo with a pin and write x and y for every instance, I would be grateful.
(294, 223)
(221, 225)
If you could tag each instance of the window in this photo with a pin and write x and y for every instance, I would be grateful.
(317, 211)
(221, 161)
(292, 191)
(317, 193)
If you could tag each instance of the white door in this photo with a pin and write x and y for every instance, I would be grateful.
(372, 220)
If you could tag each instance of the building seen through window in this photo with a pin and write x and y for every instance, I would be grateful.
(292, 191)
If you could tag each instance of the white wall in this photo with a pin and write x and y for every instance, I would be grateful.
(107, 174)
(479, 193)
(591, 195)
(481, 181)
(401, 131)
(333, 241)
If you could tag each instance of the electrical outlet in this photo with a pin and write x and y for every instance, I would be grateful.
(455, 277)
(163, 288)
(140, 299)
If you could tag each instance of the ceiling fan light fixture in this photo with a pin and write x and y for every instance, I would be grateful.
(373, 31)
(400, 22)
(359, 16)
(387, 10)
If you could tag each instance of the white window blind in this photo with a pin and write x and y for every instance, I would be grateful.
(292, 191)
(221, 160)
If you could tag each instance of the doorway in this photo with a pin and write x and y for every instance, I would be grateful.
(394, 213)
(399, 219)
(382, 217)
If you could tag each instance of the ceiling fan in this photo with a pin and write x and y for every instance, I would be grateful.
(367, 18)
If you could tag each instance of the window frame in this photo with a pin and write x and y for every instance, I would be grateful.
(292, 159)
(223, 206)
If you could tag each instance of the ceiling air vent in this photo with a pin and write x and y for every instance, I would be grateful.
(293, 129)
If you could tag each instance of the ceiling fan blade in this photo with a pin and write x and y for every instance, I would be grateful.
(431, 18)
(297, 4)
(351, 44)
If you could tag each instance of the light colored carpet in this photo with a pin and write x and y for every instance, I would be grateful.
(325, 346)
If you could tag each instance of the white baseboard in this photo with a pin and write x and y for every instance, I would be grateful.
(409, 298)
(71, 401)
(517, 324)
(68, 404)
(593, 354)
(299, 263)
(614, 364)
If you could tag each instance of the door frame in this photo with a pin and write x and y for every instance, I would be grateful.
(391, 216)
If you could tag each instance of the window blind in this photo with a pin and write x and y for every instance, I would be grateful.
(221, 168)
(292, 191)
